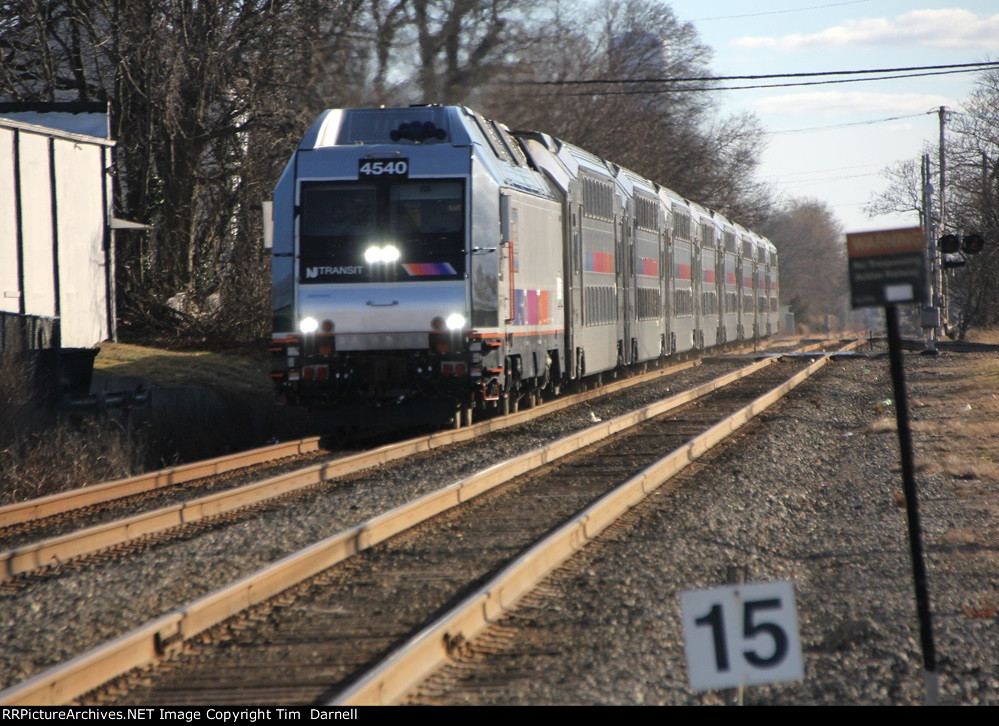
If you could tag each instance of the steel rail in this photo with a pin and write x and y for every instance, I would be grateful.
(53, 504)
(154, 640)
(47, 506)
(408, 665)
(62, 548)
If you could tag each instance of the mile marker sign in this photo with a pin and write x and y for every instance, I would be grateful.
(741, 635)
(887, 267)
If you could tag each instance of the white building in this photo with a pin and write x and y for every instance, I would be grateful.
(56, 241)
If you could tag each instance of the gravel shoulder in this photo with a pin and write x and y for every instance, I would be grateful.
(809, 493)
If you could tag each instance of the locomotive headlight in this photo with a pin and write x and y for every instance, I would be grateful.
(455, 321)
(388, 254)
(308, 325)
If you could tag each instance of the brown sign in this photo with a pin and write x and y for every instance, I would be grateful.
(887, 267)
(885, 242)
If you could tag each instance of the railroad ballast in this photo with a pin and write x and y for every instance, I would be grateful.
(428, 262)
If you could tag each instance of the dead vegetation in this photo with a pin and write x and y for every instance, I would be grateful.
(41, 453)
(237, 374)
(954, 414)
(201, 405)
(956, 425)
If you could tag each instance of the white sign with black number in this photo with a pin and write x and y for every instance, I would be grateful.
(741, 635)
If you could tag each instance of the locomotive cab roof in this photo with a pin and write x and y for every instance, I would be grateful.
(415, 131)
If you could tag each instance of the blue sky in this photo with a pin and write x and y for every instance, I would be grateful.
(841, 165)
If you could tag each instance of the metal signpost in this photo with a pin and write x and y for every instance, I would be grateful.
(889, 268)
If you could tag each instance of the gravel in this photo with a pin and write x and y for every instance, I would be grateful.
(807, 494)
(803, 494)
(47, 619)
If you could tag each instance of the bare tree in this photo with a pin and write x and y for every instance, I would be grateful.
(207, 99)
(813, 269)
(657, 129)
(904, 192)
(973, 206)
(972, 145)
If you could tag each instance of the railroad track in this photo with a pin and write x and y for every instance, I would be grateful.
(50, 532)
(31, 514)
(172, 639)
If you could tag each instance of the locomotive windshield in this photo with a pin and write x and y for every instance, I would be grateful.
(388, 230)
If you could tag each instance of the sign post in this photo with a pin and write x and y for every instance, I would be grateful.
(888, 268)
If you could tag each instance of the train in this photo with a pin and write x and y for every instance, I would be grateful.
(428, 263)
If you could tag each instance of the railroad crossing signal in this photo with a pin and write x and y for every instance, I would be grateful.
(950, 244)
(970, 244)
(973, 244)
(955, 244)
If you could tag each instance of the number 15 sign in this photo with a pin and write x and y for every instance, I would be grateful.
(741, 635)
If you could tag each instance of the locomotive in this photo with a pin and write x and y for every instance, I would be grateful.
(428, 263)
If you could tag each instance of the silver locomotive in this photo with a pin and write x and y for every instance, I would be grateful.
(427, 262)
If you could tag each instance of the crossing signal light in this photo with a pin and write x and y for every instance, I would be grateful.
(954, 244)
(949, 244)
(973, 244)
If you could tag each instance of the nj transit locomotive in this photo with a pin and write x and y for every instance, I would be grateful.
(428, 262)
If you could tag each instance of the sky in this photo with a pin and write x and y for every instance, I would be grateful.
(837, 164)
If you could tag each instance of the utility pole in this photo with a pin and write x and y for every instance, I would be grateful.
(931, 313)
(943, 169)
(941, 299)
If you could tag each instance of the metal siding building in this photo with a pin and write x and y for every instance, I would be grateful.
(56, 249)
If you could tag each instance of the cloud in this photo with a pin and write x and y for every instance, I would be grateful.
(946, 28)
(830, 103)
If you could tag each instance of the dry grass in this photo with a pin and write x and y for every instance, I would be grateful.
(66, 457)
(960, 536)
(956, 441)
(954, 413)
(236, 374)
(957, 422)
(218, 403)
(881, 425)
(40, 455)
(990, 335)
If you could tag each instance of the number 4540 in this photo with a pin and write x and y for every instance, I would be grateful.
(741, 635)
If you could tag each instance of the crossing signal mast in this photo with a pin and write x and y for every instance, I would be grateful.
(949, 251)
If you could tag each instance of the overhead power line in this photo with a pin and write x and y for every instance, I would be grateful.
(828, 179)
(835, 168)
(854, 123)
(968, 68)
(780, 12)
(696, 89)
